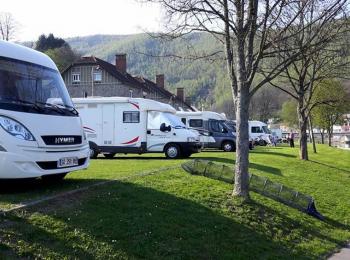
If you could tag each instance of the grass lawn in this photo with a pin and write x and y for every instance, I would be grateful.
(175, 215)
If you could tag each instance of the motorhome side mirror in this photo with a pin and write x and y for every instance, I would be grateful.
(165, 128)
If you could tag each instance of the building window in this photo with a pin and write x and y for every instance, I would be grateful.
(131, 117)
(196, 123)
(97, 76)
(75, 78)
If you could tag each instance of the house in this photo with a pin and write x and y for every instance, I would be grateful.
(91, 76)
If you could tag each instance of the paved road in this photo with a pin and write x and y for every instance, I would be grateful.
(343, 254)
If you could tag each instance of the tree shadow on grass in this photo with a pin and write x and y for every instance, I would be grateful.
(132, 221)
(330, 166)
(22, 190)
(260, 167)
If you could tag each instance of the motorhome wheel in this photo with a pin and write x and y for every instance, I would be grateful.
(172, 151)
(93, 153)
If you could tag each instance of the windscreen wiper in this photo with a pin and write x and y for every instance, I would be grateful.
(21, 101)
(55, 107)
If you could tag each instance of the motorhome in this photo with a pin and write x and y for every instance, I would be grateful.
(41, 134)
(212, 127)
(259, 132)
(134, 125)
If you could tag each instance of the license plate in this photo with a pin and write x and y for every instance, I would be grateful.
(67, 162)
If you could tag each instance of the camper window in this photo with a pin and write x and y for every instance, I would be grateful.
(196, 123)
(256, 129)
(217, 126)
(183, 120)
(131, 117)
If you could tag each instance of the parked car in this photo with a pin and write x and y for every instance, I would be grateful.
(41, 133)
(134, 125)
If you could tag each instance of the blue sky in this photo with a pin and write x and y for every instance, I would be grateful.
(68, 18)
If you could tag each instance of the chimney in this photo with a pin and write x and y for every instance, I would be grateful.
(160, 80)
(120, 62)
(180, 94)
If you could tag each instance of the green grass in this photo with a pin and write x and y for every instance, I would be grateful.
(175, 215)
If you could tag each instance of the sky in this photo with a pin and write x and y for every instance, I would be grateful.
(69, 18)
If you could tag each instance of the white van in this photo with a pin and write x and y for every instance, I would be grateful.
(41, 134)
(215, 133)
(259, 132)
(134, 125)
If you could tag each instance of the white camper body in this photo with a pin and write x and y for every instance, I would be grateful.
(41, 134)
(259, 132)
(212, 127)
(134, 125)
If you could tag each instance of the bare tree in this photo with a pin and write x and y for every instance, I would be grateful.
(253, 34)
(8, 26)
(320, 46)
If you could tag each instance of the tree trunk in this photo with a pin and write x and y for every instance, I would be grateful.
(322, 136)
(302, 120)
(329, 137)
(312, 135)
(241, 187)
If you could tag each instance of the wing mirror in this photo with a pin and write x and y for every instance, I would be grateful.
(164, 128)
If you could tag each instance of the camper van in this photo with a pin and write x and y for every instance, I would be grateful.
(134, 125)
(41, 134)
(212, 127)
(259, 132)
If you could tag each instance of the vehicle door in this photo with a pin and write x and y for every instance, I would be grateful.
(157, 139)
(218, 131)
(107, 124)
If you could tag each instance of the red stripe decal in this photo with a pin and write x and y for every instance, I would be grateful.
(135, 105)
(132, 141)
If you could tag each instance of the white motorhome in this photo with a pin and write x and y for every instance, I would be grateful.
(41, 134)
(215, 133)
(259, 132)
(134, 125)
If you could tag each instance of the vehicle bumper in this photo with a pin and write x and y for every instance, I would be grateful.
(36, 162)
(194, 147)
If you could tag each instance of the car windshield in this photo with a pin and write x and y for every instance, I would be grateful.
(156, 118)
(24, 84)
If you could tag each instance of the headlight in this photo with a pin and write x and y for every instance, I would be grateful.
(191, 139)
(16, 129)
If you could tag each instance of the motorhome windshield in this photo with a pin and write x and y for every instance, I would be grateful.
(266, 130)
(27, 87)
(156, 118)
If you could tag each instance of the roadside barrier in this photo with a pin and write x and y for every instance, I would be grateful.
(258, 184)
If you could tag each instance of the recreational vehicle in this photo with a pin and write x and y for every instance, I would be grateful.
(212, 127)
(41, 134)
(134, 125)
(259, 134)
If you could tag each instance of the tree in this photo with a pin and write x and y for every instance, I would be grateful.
(330, 113)
(253, 34)
(320, 58)
(63, 56)
(8, 26)
(45, 43)
(289, 114)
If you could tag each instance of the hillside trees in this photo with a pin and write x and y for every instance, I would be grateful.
(253, 35)
(57, 49)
